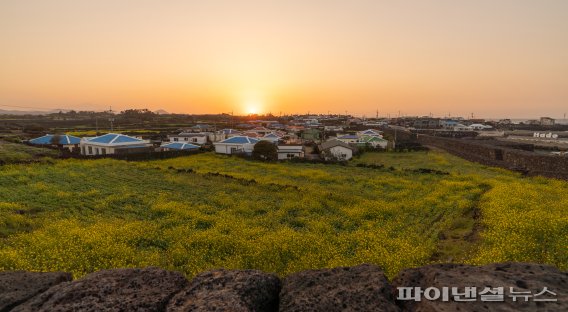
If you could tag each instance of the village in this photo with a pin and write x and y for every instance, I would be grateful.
(308, 137)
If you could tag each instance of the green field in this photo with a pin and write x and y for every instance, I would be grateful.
(20, 153)
(207, 211)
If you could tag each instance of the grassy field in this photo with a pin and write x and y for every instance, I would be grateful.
(20, 153)
(207, 211)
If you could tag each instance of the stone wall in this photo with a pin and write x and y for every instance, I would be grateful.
(502, 156)
(359, 288)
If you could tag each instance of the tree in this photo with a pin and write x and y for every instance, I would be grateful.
(55, 139)
(265, 150)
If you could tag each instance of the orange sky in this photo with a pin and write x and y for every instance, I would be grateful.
(493, 58)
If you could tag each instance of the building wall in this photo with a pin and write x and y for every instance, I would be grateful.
(341, 153)
(227, 148)
(195, 140)
(527, 162)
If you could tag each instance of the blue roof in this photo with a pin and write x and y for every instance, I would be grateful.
(63, 139)
(180, 146)
(240, 140)
(113, 138)
(349, 136)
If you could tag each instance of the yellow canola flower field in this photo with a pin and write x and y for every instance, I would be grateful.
(206, 211)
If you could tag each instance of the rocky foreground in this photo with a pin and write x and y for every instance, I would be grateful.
(359, 288)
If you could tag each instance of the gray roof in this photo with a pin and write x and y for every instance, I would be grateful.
(333, 143)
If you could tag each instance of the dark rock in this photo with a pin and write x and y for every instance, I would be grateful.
(359, 288)
(147, 289)
(520, 276)
(223, 290)
(19, 286)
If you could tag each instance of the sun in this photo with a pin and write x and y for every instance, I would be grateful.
(252, 107)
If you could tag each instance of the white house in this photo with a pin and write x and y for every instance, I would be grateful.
(187, 137)
(337, 150)
(271, 137)
(234, 145)
(113, 143)
(480, 127)
(290, 151)
(373, 141)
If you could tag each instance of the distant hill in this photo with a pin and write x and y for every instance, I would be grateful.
(161, 112)
(20, 113)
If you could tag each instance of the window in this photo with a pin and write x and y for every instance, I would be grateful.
(185, 139)
(194, 140)
(90, 150)
(175, 139)
(103, 151)
(83, 150)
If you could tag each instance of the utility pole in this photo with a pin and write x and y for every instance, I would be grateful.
(111, 119)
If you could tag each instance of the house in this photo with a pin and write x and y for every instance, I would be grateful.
(230, 132)
(202, 128)
(547, 121)
(261, 131)
(290, 151)
(195, 138)
(462, 127)
(479, 127)
(295, 128)
(348, 138)
(336, 150)
(113, 143)
(271, 137)
(426, 123)
(370, 132)
(373, 141)
(179, 146)
(65, 141)
(448, 124)
(311, 134)
(236, 145)
(333, 128)
(276, 126)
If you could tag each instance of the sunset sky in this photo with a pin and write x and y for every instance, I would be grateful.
(492, 58)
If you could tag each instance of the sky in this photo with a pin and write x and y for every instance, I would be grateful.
(489, 58)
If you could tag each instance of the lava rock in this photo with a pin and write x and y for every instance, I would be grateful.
(229, 290)
(521, 276)
(359, 288)
(18, 286)
(147, 289)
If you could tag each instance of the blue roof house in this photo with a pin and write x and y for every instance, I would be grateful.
(63, 139)
(113, 143)
(179, 146)
(236, 145)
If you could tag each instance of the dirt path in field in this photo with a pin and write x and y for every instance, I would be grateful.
(460, 241)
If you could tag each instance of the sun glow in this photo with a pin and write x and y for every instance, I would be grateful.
(253, 107)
